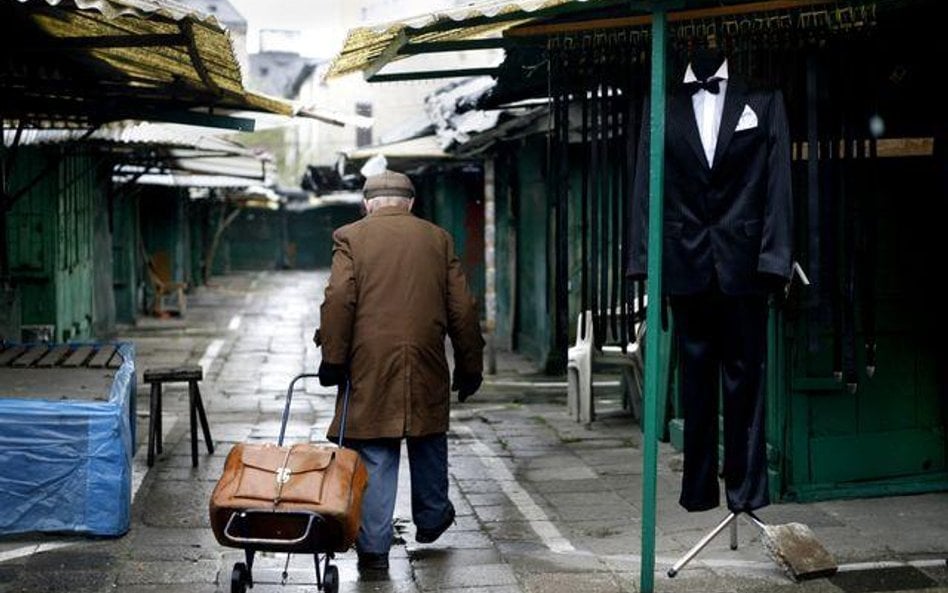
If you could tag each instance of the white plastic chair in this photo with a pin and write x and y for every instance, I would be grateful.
(582, 358)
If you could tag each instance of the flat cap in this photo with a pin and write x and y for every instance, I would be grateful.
(388, 183)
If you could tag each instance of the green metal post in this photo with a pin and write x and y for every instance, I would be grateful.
(653, 377)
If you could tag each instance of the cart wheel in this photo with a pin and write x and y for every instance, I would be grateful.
(331, 580)
(239, 578)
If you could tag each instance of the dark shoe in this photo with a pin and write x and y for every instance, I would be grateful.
(427, 536)
(368, 561)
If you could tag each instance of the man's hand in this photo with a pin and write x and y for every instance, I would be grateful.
(331, 374)
(466, 384)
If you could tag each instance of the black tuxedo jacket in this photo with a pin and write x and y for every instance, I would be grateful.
(732, 218)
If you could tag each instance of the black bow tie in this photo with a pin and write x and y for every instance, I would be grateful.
(712, 85)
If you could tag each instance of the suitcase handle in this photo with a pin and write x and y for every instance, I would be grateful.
(289, 399)
(311, 518)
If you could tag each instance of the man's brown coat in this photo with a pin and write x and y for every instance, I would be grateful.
(395, 291)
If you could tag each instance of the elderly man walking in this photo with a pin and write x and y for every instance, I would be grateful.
(395, 291)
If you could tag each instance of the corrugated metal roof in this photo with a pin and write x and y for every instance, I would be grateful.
(133, 133)
(426, 147)
(85, 60)
(364, 45)
(138, 8)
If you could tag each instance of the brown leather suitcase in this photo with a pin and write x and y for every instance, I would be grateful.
(299, 498)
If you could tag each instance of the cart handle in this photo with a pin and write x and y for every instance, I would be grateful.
(311, 516)
(289, 399)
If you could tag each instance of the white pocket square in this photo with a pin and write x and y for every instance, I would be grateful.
(748, 119)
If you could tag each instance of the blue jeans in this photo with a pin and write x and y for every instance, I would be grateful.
(428, 464)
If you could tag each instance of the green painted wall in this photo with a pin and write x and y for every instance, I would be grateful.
(164, 227)
(254, 240)
(200, 234)
(310, 234)
(534, 318)
(505, 248)
(454, 200)
(126, 267)
(52, 231)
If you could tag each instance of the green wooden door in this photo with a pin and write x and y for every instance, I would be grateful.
(533, 317)
(888, 436)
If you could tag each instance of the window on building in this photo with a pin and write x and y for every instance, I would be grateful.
(363, 135)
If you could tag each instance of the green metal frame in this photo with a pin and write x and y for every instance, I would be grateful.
(653, 378)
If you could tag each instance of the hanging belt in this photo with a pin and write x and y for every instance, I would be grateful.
(604, 190)
(814, 210)
(870, 258)
(585, 194)
(829, 227)
(850, 215)
(560, 138)
(615, 170)
(871, 232)
(594, 193)
(629, 138)
(604, 175)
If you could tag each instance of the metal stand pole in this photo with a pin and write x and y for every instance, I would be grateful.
(729, 520)
(734, 535)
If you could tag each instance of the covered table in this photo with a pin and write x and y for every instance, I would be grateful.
(66, 438)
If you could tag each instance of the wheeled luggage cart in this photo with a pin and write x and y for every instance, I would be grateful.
(285, 531)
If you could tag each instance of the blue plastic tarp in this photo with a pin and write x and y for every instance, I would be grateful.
(66, 465)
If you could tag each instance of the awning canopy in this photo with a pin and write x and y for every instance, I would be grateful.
(426, 147)
(83, 62)
(476, 26)
(149, 153)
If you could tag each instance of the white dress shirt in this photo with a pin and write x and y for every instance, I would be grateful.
(708, 109)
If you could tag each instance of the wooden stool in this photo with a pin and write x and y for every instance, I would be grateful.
(191, 373)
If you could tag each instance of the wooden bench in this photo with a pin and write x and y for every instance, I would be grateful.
(156, 378)
(584, 358)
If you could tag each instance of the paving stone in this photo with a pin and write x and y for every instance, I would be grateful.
(483, 589)
(143, 535)
(882, 579)
(178, 504)
(553, 474)
(533, 557)
(459, 539)
(162, 572)
(485, 575)
(507, 512)
(176, 588)
(938, 573)
(594, 485)
(69, 560)
(477, 486)
(55, 581)
(447, 559)
(565, 582)
(494, 498)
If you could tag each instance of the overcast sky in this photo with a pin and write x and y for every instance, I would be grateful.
(306, 16)
(319, 20)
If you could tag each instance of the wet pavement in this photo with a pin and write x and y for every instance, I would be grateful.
(544, 504)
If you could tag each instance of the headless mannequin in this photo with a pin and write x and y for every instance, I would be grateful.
(705, 62)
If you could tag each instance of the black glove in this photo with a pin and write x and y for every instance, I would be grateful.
(466, 384)
(331, 374)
